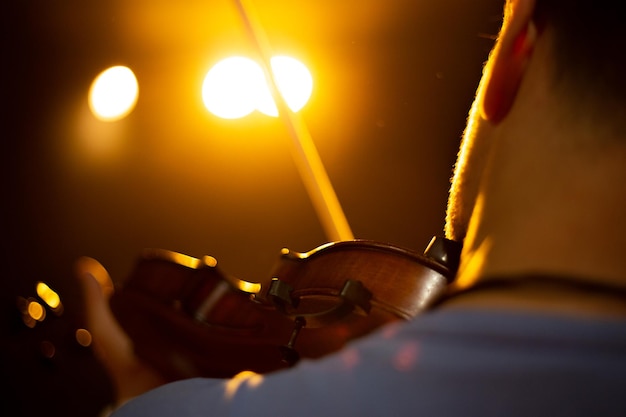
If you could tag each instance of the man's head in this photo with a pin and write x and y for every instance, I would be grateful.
(589, 50)
(543, 159)
(586, 73)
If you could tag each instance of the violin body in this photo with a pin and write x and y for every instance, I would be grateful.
(187, 318)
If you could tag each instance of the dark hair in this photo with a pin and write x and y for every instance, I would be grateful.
(590, 50)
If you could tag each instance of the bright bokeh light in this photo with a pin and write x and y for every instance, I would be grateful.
(48, 295)
(236, 86)
(294, 82)
(231, 88)
(113, 93)
(36, 311)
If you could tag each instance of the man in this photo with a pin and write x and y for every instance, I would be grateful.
(535, 323)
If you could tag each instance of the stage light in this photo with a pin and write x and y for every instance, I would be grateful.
(231, 87)
(113, 93)
(50, 297)
(236, 86)
(294, 82)
(36, 310)
(83, 337)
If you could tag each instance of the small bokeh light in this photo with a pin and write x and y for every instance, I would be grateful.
(83, 337)
(49, 296)
(236, 86)
(36, 310)
(113, 93)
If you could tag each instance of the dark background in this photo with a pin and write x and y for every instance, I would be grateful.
(393, 81)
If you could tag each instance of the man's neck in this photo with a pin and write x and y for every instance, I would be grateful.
(547, 208)
(575, 232)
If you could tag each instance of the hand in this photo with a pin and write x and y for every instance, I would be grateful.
(112, 346)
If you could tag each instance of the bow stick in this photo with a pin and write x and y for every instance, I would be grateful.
(304, 152)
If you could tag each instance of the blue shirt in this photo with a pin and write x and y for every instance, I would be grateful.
(443, 363)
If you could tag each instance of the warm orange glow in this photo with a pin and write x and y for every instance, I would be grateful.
(83, 337)
(89, 266)
(249, 378)
(295, 84)
(113, 94)
(36, 311)
(231, 88)
(236, 86)
(49, 297)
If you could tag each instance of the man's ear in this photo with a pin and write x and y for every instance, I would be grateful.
(508, 61)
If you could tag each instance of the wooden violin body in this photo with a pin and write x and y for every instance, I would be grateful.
(187, 318)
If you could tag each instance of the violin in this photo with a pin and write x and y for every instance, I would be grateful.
(188, 318)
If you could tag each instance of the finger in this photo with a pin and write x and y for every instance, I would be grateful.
(112, 346)
(89, 266)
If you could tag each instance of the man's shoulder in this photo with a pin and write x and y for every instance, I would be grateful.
(445, 363)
